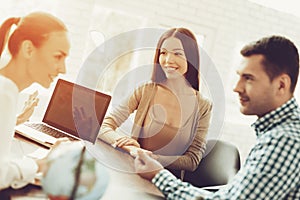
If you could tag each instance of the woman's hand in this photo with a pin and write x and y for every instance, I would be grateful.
(126, 141)
(43, 163)
(28, 109)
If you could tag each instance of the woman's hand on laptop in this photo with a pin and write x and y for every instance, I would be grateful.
(28, 109)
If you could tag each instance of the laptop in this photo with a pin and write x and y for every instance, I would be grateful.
(73, 111)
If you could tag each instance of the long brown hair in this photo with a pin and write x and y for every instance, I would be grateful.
(191, 51)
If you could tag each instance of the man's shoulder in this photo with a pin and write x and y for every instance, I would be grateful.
(286, 122)
(289, 129)
(277, 140)
(290, 126)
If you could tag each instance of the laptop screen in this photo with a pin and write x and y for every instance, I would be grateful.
(77, 110)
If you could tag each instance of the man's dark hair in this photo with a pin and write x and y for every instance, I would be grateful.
(280, 56)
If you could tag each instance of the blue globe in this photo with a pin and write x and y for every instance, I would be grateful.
(66, 162)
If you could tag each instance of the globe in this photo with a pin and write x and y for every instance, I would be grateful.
(71, 170)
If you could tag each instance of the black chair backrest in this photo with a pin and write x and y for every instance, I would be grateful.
(220, 163)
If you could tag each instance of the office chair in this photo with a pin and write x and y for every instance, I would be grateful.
(220, 163)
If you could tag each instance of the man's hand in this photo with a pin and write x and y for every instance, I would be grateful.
(146, 166)
(28, 109)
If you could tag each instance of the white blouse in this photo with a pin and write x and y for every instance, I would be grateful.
(13, 172)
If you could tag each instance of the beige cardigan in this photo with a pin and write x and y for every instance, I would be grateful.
(139, 101)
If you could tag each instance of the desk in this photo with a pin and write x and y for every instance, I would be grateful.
(123, 184)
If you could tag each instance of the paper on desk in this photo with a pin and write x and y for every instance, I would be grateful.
(39, 153)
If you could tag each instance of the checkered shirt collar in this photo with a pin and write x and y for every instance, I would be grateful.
(275, 117)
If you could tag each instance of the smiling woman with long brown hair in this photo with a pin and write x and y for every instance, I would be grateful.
(172, 117)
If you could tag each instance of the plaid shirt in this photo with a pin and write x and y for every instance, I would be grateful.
(271, 171)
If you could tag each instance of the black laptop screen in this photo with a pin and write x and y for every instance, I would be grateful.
(77, 110)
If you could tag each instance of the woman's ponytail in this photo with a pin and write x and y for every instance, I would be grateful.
(4, 31)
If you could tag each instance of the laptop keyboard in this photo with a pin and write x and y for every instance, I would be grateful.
(48, 130)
